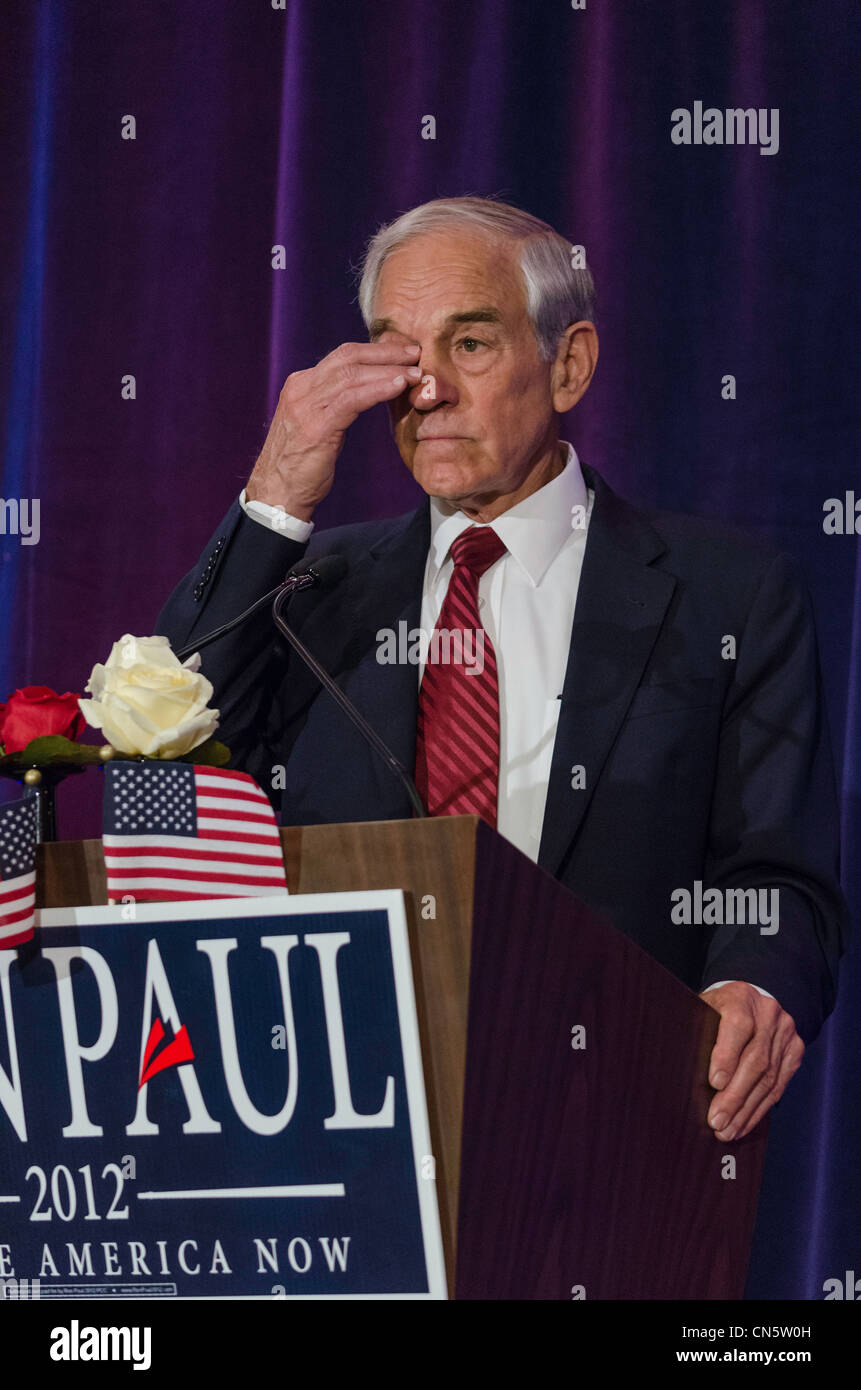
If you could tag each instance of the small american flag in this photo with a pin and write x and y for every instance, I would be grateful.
(17, 871)
(176, 831)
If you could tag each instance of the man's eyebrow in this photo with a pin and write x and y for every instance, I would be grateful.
(483, 314)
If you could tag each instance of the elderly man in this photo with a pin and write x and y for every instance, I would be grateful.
(645, 720)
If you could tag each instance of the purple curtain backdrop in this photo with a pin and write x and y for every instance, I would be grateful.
(302, 127)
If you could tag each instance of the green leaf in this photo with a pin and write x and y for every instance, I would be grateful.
(54, 748)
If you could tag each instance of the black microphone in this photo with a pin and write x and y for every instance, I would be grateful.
(369, 734)
(325, 571)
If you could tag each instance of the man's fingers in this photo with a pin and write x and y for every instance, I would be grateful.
(755, 1055)
(752, 1071)
(759, 1082)
(395, 348)
(351, 374)
(350, 379)
(754, 1079)
(753, 1111)
(735, 1030)
(367, 390)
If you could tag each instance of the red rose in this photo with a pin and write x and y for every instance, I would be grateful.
(35, 711)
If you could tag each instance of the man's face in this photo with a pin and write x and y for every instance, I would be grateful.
(485, 420)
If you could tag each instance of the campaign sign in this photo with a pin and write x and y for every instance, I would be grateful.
(217, 1100)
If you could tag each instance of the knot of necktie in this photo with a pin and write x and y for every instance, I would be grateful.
(476, 549)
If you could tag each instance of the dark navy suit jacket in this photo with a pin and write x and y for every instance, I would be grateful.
(697, 767)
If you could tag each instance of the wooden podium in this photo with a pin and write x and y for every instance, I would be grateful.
(565, 1069)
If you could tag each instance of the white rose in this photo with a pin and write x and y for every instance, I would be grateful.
(146, 702)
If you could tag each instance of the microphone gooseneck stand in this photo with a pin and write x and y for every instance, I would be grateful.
(368, 733)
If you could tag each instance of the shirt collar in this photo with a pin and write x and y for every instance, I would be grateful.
(533, 531)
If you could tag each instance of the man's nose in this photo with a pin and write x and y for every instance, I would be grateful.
(434, 387)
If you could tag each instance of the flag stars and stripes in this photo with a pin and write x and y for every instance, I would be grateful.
(17, 871)
(150, 798)
(177, 831)
(17, 837)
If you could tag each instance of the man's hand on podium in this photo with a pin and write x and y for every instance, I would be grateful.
(756, 1053)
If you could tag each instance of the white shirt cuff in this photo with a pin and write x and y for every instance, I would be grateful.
(276, 519)
(718, 984)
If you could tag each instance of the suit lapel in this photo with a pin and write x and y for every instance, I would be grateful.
(395, 577)
(621, 603)
(383, 589)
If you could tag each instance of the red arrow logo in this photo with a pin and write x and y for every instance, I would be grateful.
(180, 1050)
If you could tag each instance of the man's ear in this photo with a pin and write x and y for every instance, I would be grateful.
(575, 363)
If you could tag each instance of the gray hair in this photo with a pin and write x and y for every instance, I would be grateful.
(557, 293)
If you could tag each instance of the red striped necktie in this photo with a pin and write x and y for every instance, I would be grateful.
(457, 733)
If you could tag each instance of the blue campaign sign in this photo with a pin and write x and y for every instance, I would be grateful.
(217, 1100)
